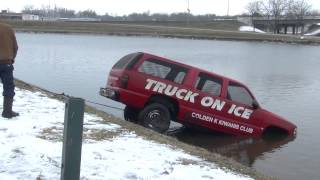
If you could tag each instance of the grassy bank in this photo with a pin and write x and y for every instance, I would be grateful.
(221, 161)
(225, 30)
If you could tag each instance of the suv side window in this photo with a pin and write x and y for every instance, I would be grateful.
(154, 69)
(180, 76)
(163, 70)
(239, 94)
(209, 84)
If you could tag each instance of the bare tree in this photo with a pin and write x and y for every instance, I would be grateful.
(87, 14)
(28, 9)
(254, 9)
(275, 9)
(300, 8)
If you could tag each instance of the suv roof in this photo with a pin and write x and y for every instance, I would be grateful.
(191, 67)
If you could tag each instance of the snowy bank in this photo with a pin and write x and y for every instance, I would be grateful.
(31, 148)
(313, 33)
(250, 29)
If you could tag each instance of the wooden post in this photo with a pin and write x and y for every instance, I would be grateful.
(72, 139)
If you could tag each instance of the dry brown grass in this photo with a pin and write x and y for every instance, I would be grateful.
(213, 30)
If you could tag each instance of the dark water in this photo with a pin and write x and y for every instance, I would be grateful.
(284, 78)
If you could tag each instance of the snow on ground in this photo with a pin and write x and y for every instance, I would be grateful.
(316, 32)
(250, 29)
(31, 148)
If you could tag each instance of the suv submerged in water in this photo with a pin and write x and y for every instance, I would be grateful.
(157, 90)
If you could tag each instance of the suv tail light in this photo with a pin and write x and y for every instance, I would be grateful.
(124, 81)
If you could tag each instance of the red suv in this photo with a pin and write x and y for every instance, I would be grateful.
(157, 90)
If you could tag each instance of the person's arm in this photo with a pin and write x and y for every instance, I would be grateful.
(15, 45)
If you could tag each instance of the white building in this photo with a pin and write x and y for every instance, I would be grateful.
(18, 16)
(30, 17)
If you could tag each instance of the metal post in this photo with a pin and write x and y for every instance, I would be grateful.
(72, 139)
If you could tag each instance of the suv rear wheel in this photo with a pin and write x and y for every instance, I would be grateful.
(155, 116)
(130, 114)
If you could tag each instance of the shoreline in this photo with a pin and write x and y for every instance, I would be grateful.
(221, 161)
(121, 29)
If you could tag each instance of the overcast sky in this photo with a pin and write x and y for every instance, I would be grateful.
(124, 7)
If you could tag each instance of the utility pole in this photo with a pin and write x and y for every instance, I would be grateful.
(188, 12)
(228, 8)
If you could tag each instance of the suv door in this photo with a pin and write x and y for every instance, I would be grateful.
(239, 106)
(209, 104)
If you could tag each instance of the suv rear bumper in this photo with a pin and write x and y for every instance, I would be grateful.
(109, 93)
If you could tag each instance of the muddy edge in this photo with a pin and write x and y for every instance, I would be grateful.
(221, 161)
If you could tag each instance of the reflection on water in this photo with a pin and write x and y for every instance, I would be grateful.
(242, 149)
(284, 78)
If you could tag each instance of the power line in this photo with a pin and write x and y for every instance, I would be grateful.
(112, 107)
(63, 95)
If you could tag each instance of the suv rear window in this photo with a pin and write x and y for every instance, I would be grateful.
(163, 70)
(127, 61)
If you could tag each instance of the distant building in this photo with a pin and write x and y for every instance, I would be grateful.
(5, 15)
(30, 17)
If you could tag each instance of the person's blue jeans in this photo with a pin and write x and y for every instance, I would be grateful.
(6, 75)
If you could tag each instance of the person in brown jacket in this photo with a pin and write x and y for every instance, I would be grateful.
(8, 52)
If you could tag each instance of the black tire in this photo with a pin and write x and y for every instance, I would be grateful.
(130, 114)
(155, 116)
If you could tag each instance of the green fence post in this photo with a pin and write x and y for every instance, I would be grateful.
(72, 139)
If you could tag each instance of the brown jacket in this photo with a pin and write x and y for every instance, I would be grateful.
(8, 44)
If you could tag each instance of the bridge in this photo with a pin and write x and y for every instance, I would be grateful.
(285, 25)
